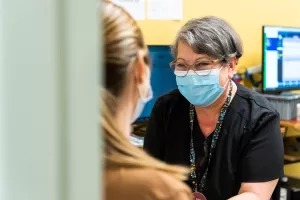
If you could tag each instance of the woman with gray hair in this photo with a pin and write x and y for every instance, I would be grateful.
(228, 134)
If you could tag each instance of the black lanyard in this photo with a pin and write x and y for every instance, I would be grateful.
(213, 145)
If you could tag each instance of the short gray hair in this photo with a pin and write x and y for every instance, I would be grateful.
(212, 36)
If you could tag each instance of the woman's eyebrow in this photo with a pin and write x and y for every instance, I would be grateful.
(201, 57)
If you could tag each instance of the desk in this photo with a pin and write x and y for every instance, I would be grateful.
(292, 171)
(292, 127)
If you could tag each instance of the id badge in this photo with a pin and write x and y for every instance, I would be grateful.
(199, 196)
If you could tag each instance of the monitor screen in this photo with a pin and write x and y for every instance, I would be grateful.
(163, 79)
(281, 58)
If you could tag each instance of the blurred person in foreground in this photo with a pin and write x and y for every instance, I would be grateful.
(129, 172)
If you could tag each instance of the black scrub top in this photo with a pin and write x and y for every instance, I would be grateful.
(249, 149)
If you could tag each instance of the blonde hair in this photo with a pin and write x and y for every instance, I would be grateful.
(123, 39)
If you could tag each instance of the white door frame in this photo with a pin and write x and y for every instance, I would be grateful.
(49, 77)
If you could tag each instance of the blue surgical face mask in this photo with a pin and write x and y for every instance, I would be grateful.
(141, 104)
(200, 89)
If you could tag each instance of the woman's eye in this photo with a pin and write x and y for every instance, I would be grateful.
(201, 64)
(180, 65)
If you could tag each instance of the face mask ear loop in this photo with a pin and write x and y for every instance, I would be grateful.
(219, 78)
(226, 83)
(149, 95)
(221, 68)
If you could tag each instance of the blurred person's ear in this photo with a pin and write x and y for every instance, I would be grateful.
(142, 74)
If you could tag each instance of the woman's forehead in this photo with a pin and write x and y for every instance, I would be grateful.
(186, 53)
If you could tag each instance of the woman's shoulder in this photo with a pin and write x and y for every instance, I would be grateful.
(247, 98)
(144, 184)
(170, 100)
(251, 105)
(170, 97)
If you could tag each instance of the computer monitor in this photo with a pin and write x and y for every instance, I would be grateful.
(163, 79)
(281, 59)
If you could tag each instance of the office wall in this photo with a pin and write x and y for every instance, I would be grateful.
(247, 17)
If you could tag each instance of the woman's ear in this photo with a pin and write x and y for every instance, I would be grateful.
(140, 67)
(232, 65)
(142, 73)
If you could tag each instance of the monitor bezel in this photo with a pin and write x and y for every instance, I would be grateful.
(264, 89)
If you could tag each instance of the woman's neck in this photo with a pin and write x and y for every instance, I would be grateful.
(124, 117)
